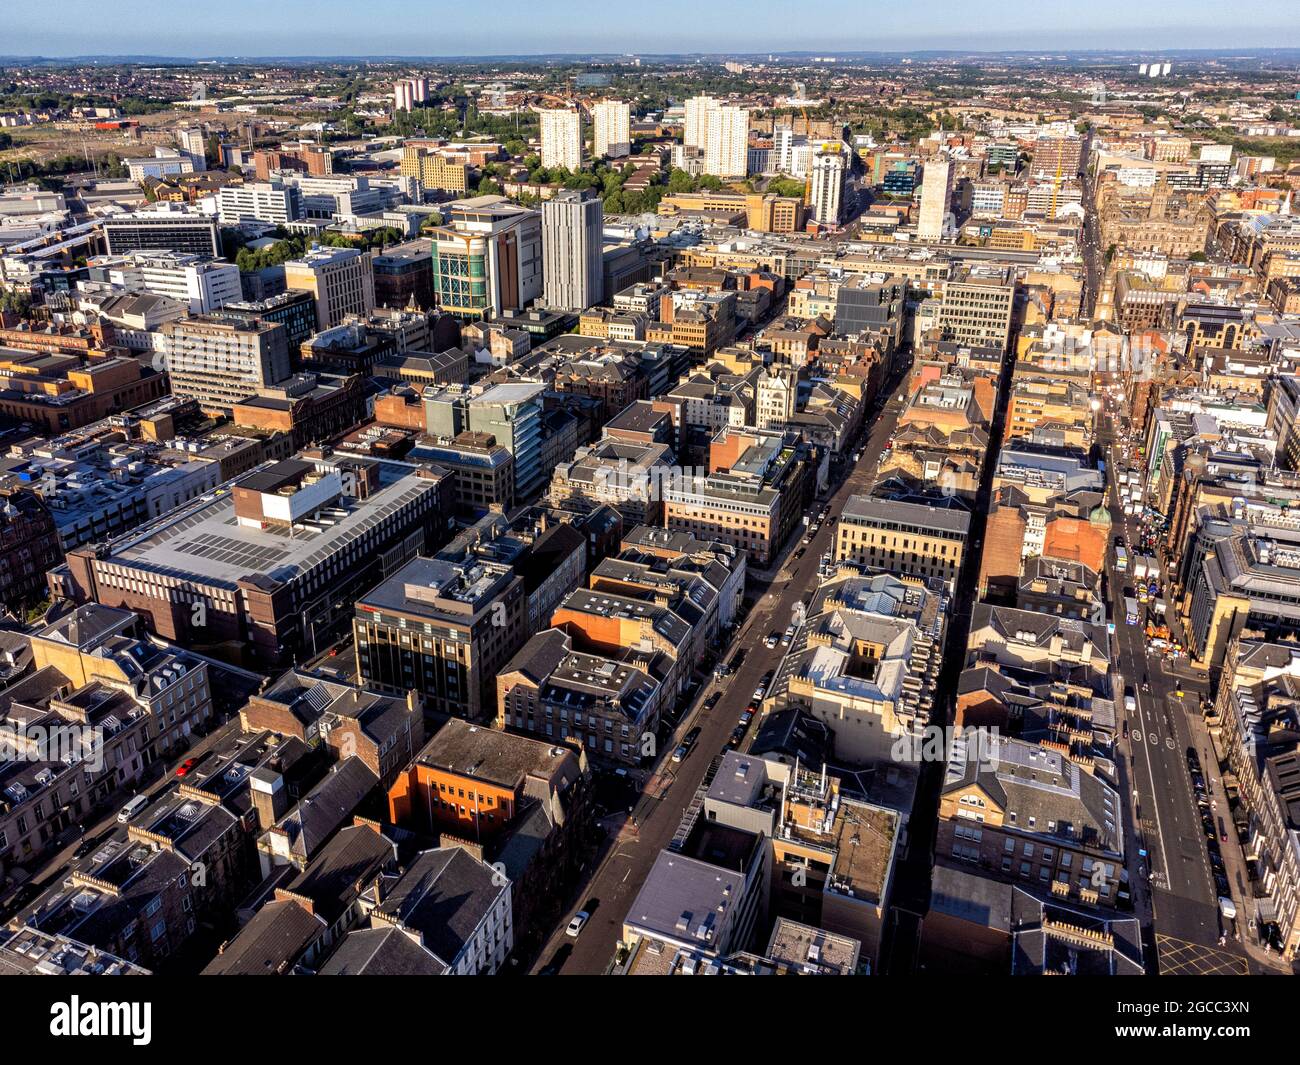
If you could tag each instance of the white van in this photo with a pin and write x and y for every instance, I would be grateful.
(132, 809)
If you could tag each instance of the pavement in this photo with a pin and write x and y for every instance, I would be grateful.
(634, 840)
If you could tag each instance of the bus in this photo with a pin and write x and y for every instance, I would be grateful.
(1121, 559)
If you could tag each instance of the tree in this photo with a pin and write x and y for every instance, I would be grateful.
(15, 302)
(680, 181)
(786, 187)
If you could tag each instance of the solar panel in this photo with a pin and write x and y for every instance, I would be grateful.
(317, 696)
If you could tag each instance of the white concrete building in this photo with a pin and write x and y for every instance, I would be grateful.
(261, 201)
(936, 187)
(561, 130)
(829, 177)
(202, 285)
(696, 132)
(611, 122)
(726, 148)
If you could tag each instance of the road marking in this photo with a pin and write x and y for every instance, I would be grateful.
(1151, 778)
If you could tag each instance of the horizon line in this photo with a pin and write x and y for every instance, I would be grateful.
(1236, 50)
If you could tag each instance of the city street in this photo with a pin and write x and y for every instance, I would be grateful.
(635, 841)
(1179, 899)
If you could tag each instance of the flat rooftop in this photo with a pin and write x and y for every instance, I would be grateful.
(488, 754)
(205, 541)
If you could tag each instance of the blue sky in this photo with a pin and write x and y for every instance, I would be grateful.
(479, 27)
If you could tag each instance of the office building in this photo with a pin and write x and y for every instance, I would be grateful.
(487, 259)
(527, 803)
(404, 275)
(572, 250)
(167, 229)
(164, 163)
(29, 545)
(561, 131)
(511, 413)
(1027, 812)
(341, 279)
(751, 497)
(902, 537)
(270, 569)
(445, 630)
(273, 202)
(977, 306)
(295, 310)
(222, 360)
(202, 285)
(385, 731)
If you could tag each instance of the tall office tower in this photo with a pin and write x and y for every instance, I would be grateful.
(562, 139)
(697, 120)
(612, 124)
(830, 172)
(572, 250)
(935, 190)
(726, 147)
(192, 147)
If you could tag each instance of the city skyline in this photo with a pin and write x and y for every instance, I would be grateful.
(587, 27)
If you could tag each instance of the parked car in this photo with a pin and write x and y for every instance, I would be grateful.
(576, 925)
(132, 809)
(688, 742)
(772, 639)
(184, 768)
(85, 847)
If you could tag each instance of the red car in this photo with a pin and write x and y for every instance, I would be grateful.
(186, 766)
